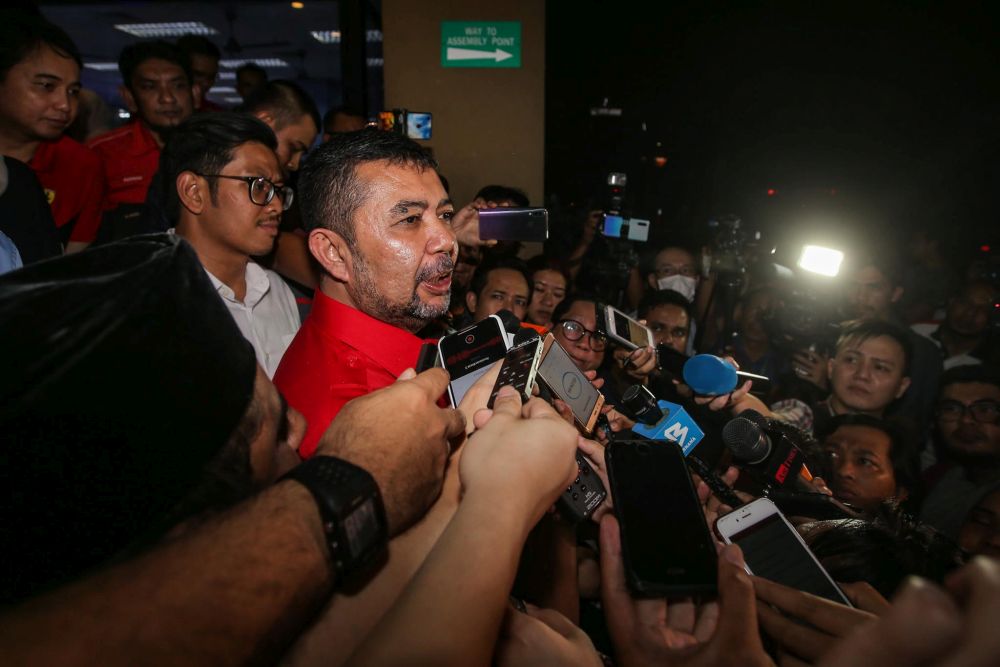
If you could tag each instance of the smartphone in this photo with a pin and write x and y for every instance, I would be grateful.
(518, 369)
(510, 223)
(629, 333)
(813, 505)
(666, 545)
(568, 383)
(618, 227)
(418, 124)
(428, 358)
(670, 360)
(773, 549)
(468, 354)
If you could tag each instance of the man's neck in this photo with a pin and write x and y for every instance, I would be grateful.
(755, 349)
(18, 146)
(837, 407)
(337, 291)
(955, 343)
(229, 267)
(155, 132)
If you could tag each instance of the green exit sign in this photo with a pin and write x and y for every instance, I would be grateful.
(480, 43)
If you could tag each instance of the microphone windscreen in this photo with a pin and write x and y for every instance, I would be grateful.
(754, 416)
(742, 437)
(709, 375)
(523, 335)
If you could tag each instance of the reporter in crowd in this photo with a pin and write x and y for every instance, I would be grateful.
(549, 282)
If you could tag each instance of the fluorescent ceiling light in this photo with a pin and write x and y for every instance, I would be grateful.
(326, 36)
(373, 36)
(102, 67)
(262, 62)
(234, 100)
(824, 261)
(217, 90)
(166, 29)
(227, 76)
(376, 62)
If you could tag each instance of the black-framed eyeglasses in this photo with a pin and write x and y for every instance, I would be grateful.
(574, 331)
(984, 412)
(262, 190)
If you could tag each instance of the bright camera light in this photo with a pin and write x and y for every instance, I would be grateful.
(824, 261)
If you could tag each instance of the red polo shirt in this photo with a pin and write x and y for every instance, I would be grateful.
(338, 354)
(70, 174)
(130, 156)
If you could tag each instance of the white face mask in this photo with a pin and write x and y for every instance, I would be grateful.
(683, 284)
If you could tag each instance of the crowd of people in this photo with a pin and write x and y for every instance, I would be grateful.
(217, 449)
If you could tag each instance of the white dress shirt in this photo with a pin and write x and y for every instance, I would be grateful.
(267, 316)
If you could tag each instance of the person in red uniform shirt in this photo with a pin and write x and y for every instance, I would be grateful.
(159, 92)
(381, 231)
(39, 97)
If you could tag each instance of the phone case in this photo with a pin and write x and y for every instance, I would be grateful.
(509, 223)
(518, 370)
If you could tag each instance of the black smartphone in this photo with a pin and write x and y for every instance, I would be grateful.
(666, 544)
(670, 360)
(813, 505)
(518, 369)
(559, 374)
(510, 223)
(428, 358)
(468, 354)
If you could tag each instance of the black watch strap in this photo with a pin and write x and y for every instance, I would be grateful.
(350, 506)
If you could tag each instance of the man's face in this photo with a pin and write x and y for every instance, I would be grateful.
(980, 534)
(39, 96)
(582, 351)
(966, 438)
(871, 294)
(233, 223)
(294, 140)
(670, 325)
(866, 376)
(405, 248)
(969, 313)
(160, 94)
(204, 71)
(862, 465)
(550, 290)
(672, 262)
(505, 288)
(248, 83)
(275, 449)
(751, 316)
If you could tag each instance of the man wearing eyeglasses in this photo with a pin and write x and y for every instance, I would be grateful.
(968, 437)
(228, 199)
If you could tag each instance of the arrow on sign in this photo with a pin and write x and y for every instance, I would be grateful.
(471, 54)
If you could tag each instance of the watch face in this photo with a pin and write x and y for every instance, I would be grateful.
(361, 527)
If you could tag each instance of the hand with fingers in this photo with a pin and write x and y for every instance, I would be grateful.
(656, 633)
(543, 637)
(402, 438)
(593, 451)
(811, 366)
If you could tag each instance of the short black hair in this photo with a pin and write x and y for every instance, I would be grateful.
(970, 373)
(197, 45)
(568, 302)
(285, 101)
(499, 193)
(545, 263)
(21, 34)
(136, 54)
(866, 329)
(665, 297)
(885, 260)
(254, 68)
(481, 275)
(903, 452)
(204, 144)
(329, 185)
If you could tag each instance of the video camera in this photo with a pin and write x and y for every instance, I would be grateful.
(615, 224)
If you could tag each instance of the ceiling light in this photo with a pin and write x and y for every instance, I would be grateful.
(261, 62)
(222, 89)
(373, 36)
(376, 62)
(166, 29)
(824, 261)
(326, 36)
(102, 67)
(227, 76)
(298, 5)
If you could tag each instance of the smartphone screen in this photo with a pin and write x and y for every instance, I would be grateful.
(469, 353)
(638, 230)
(773, 550)
(509, 223)
(518, 369)
(569, 384)
(626, 327)
(418, 125)
(666, 543)
(612, 227)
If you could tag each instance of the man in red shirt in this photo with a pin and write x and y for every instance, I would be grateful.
(158, 91)
(39, 98)
(381, 232)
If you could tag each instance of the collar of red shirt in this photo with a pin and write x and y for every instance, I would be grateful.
(390, 347)
(143, 140)
(46, 153)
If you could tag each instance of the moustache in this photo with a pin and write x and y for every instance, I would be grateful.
(442, 266)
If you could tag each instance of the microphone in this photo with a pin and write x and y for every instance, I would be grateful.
(765, 450)
(710, 375)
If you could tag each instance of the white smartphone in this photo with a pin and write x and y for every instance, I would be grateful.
(625, 331)
(773, 549)
(468, 354)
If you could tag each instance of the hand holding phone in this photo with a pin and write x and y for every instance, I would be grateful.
(468, 354)
(518, 369)
(622, 329)
(561, 377)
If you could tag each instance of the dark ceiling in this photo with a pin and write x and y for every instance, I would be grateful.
(245, 30)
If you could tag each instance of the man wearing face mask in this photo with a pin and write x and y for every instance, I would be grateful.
(676, 268)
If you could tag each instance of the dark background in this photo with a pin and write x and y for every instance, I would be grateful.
(871, 118)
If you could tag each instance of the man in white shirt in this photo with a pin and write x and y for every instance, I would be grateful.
(227, 202)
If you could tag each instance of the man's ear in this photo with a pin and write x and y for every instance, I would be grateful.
(904, 384)
(126, 94)
(651, 279)
(192, 190)
(333, 254)
(266, 117)
(471, 300)
(897, 294)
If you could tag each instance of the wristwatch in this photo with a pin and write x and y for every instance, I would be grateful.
(350, 506)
